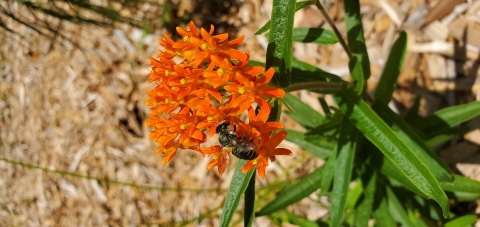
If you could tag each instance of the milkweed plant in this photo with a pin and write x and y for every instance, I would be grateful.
(203, 84)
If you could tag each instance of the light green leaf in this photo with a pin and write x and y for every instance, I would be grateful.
(381, 213)
(383, 137)
(314, 35)
(392, 68)
(464, 188)
(298, 6)
(397, 210)
(439, 169)
(464, 221)
(238, 185)
(294, 192)
(356, 72)
(343, 170)
(447, 118)
(279, 50)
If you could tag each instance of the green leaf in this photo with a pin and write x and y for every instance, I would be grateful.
(354, 195)
(439, 169)
(279, 50)
(446, 118)
(464, 188)
(368, 177)
(381, 212)
(238, 185)
(303, 113)
(249, 203)
(383, 137)
(397, 210)
(343, 170)
(464, 221)
(392, 68)
(294, 192)
(327, 175)
(356, 41)
(317, 147)
(298, 6)
(314, 35)
(356, 73)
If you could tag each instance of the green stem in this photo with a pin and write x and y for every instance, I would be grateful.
(328, 86)
(332, 24)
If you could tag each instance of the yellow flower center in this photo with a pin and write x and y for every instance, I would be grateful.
(220, 72)
(167, 101)
(167, 72)
(186, 38)
(182, 81)
(181, 101)
(209, 119)
(204, 46)
(241, 90)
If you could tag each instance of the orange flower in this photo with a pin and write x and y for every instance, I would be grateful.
(212, 84)
(268, 150)
(256, 88)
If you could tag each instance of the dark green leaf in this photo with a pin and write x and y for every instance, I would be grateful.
(249, 202)
(356, 40)
(314, 35)
(297, 191)
(303, 113)
(238, 185)
(381, 212)
(327, 175)
(392, 68)
(368, 177)
(383, 137)
(321, 149)
(464, 221)
(279, 50)
(343, 170)
(447, 118)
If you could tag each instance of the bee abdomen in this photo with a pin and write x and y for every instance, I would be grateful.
(243, 152)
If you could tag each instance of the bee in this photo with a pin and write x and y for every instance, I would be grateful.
(242, 148)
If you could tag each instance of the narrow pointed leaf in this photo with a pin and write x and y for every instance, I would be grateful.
(364, 209)
(383, 137)
(413, 141)
(447, 118)
(465, 189)
(356, 73)
(464, 221)
(249, 202)
(356, 40)
(279, 50)
(298, 6)
(314, 35)
(343, 170)
(303, 113)
(297, 191)
(319, 148)
(397, 210)
(391, 70)
(381, 212)
(238, 185)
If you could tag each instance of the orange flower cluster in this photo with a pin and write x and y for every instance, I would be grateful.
(201, 81)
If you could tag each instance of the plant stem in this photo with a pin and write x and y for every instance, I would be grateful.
(330, 22)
